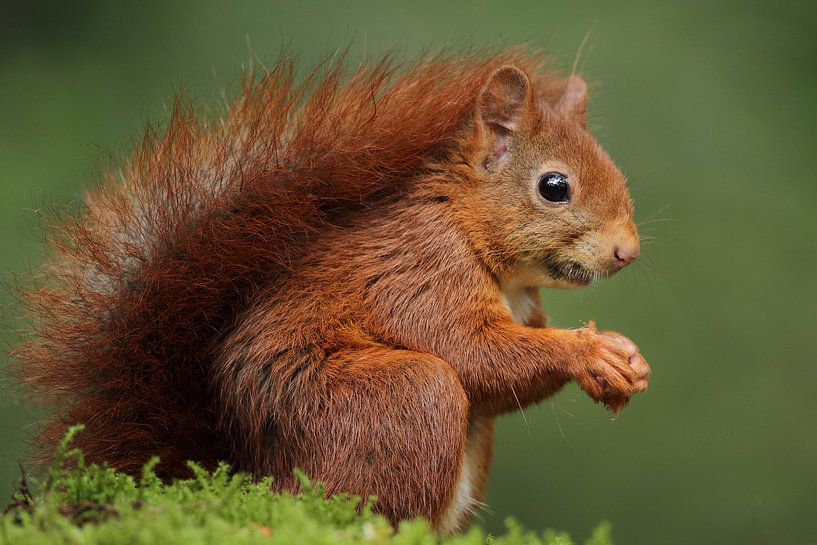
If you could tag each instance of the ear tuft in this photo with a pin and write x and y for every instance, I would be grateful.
(573, 103)
(504, 99)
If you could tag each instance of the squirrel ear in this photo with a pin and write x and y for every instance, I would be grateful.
(573, 103)
(504, 100)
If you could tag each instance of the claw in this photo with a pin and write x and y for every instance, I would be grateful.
(616, 404)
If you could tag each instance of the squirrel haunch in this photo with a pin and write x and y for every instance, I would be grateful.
(339, 275)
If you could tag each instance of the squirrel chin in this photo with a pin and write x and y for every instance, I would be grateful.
(537, 277)
(564, 284)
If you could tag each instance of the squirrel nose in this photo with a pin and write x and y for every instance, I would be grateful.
(624, 255)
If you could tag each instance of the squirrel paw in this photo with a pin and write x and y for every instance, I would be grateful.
(613, 371)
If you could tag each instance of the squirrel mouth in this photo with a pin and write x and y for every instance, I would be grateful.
(571, 271)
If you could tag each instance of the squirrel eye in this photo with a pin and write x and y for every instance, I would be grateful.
(553, 187)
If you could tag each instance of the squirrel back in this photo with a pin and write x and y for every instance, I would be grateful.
(170, 248)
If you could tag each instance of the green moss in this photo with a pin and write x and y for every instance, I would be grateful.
(92, 505)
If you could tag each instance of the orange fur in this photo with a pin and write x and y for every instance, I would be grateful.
(340, 275)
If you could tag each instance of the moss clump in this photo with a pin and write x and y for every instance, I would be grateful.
(94, 505)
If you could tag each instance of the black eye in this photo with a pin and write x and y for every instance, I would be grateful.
(553, 187)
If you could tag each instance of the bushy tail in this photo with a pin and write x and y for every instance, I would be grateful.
(149, 277)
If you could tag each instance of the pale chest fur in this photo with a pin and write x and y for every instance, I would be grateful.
(521, 303)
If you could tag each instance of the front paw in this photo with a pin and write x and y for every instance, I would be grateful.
(612, 369)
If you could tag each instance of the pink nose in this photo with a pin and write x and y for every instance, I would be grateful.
(624, 255)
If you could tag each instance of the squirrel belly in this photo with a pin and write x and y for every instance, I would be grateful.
(340, 275)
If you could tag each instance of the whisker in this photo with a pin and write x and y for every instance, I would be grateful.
(518, 404)
(558, 422)
(654, 214)
(653, 221)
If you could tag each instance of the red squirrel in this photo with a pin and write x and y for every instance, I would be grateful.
(340, 274)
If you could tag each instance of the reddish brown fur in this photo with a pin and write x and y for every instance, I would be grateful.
(317, 281)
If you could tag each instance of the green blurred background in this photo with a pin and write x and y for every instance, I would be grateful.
(708, 107)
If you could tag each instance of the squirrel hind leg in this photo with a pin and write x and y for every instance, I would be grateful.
(391, 423)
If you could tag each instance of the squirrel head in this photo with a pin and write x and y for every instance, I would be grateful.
(547, 205)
